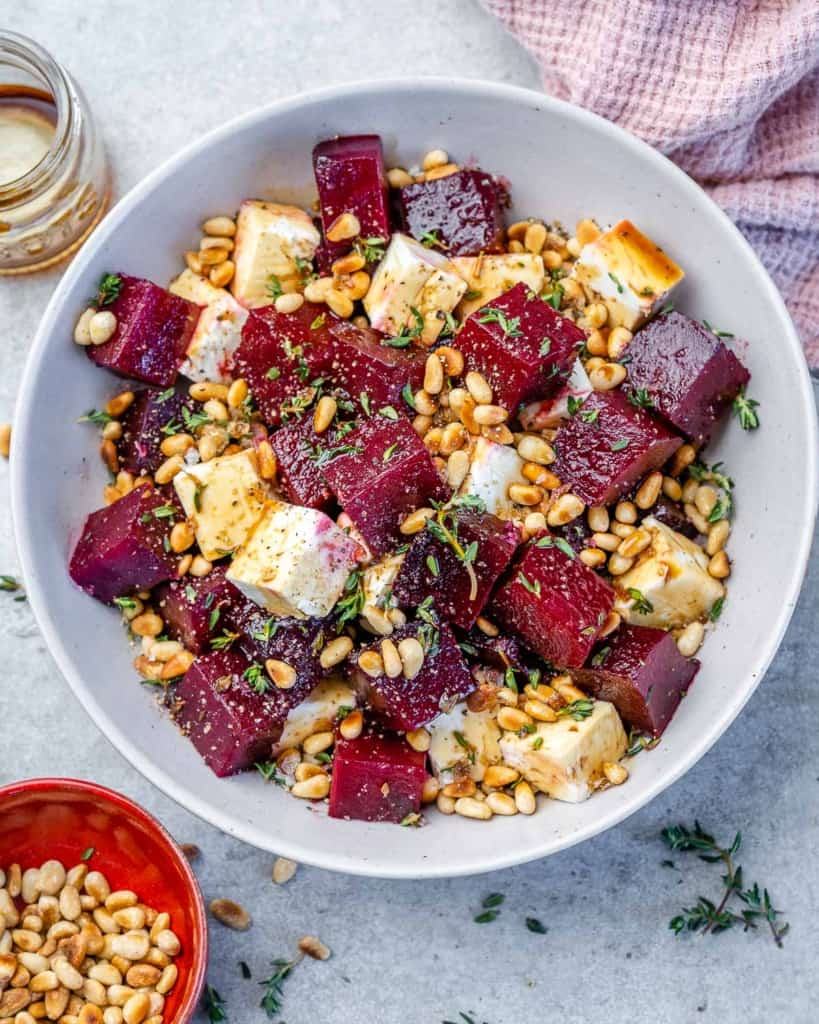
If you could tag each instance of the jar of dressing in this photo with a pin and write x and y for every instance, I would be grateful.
(54, 177)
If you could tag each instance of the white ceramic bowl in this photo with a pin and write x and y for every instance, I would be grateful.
(563, 163)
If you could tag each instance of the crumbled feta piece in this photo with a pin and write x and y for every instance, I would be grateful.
(466, 738)
(491, 276)
(412, 277)
(270, 238)
(224, 499)
(196, 288)
(550, 412)
(317, 713)
(218, 331)
(628, 272)
(295, 563)
(492, 468)
(672, 576)
(565, 758)
(378, 578)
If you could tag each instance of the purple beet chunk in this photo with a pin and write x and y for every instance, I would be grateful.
(377, 777)
(610, 444)
(641, 671)
(153, 415)
(690, 374)
(280, 354)
(670, 513)
(362, 365)
(121, 547)
(431, 568)
(350, 178)
(521, 345)
(298, 450)
(389, 475)
(463, 210)
(154, 329)
(554, 603)
(194, 609)
(499, 652)
(443, 680)
(230, 725)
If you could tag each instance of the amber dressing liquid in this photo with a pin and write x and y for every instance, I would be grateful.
(28, 121)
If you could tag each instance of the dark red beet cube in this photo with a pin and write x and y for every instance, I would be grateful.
(299, 449)
(377, 777)
(500, 652)
(280, 354)
(643, 674)
(350, 178)
(121, 547)
(443, 680)
(672, 514)
(230, 724)
(689, 373)
(153, 416)
(464, 211)
(432, 568)
(154, 329)
(194, 608)
(390, 474)
(610, 444)
(521, 345)
(553, 602)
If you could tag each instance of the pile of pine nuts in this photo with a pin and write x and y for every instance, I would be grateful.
(78, 953)
(215, 247)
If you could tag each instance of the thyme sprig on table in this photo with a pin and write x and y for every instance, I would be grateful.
(272, 999)
(706, 915)
(214, 1005)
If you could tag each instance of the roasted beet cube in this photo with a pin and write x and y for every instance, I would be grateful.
(432, 567)
(153, 415)
(122, 547)
(350, 178)
(608, 445)
(521, 345)
(377, 777)
(463, 211)
(690, 375)
(500, 652)
(280, 354)
(443, 679)
(194, 608)
(362, 365)
(230, 724)
(153, 330)
(388, 474)
(553, 602)
(642, 673)
(673, 515)
(300, 452)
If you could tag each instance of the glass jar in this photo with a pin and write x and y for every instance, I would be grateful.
(47, 209)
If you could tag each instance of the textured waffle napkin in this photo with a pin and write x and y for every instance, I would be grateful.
(729, 89)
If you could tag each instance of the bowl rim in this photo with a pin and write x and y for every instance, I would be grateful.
(57, 784)
(222, 819)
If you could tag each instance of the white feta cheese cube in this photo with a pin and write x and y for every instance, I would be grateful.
(270, 238)
(317, 713)
(491, 276)
(224, 499)
(295, 562)
(378, 578)
(565, 758)
(672, 576)
(464, 738)
(492, 468)
(412, 277)
(218, 331)
(196, 288)
(628, 272)
(550, 412)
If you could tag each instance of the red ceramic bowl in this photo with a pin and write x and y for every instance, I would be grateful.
(61, 818)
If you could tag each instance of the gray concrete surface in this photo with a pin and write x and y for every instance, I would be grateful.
(158, 75)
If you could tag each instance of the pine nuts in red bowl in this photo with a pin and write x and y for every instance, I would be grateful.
(101, 918)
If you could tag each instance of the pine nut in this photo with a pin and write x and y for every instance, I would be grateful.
(594, 558)
(478, 386)
(324, 414)
(596, 344)
(118, 995)
(619, 565)
(101, 327)
(339, 303)
(525, 494)
(96, 884)
(212, 257)
(204, 390)
(112, 1015)
(421, 424)
(176, 444)
(335, 651)
(693, 515)
(82, 329)
(719, 567)
(535, 237)
(130, 918)
(632, 545)
(625, 512)
(284, 676)
(108, 453)
(567, 508)
(219, 225)
(539, 711)
(432, 440)
(610, 623)
(717, 536)
(586, 231)
(452, 359)
(534, 449)
(136, 1009)
(525, 798)
(607, 377)
(117, 405)
(378, 621)
(411, 654)
(497, 776)
(445, 804)
(486, 627)
(200, 566)
(501, 803)
(424, 403)
(370, 663)
(192, 260)
(416, 521)
(168, 942)
(352, 724)
(469, 807)
(490, 415)
(433, 375)
(690, 640)
(317, 743)
(216, 242)
(356, 285)
(105, 973)
(229, 913)
(391, 659)
(398, 177)
(683, 457)
(431, 790)
(345, 226)
(513, 719)
(466, 413)
(649, 491)
(315, 788)
(535, 522)
(168, 470)
(316, 291)
(314, 947)
(434, 158)
(70, 906)
(457, 467)
(289, 302)
(237, 393)
(146, 624)
(606, 541)
(462, 785)
(595, 315)
(305, 770)
(671, 489)
(706, 499)
(622, 530)
(215, 410)
(348, 264)
(618, 341)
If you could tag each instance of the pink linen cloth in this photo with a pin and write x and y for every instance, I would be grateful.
(728, 89)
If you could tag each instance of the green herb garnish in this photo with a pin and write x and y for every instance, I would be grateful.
(745, 409)
(108, 290)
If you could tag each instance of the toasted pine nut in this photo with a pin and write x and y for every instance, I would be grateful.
(216, 242)
(136, 1009)
(618, 341)
(304, 770)
(314, 947)
(204, 390)
(594, 558)
(466, 413)
(289, 302)
(441, 172)
(82, 329)
(96, 884)
(462, 785)
(193, 262)
(719, 567)
(316, 291)
(525, 494)
(615, 773)
(606, 541)
(352, 724)
(421, 424)
(102, 326)
(607, 376)
(717, 536)
(457, 467)
(182, 537)
(452, 359)
(535, 237)
(595, 315)
(478, 386)
(237, 393)
(486, 627)
(108, 453)
(425, 404)
(567, 508)
(525, 798)
(167, 941)
(445, 804)
(618, 564)
(341, 304)
(335, 651)
(512, 719)
(586, 231)
(534, 449)
(377, 620)
(622, 530)
(693, 515)
(683, 457)
(317, 743)
(497, 776)
(535, 522)
(596, 343)
(391, 659)
(671, 489)
(411, 653)
(348, 264)
(168, 470)
(636, 542)
(418, 739)
(324, 414)
(416, 521)
(690, 640)
(370, 662)
(284, 676)
(146, 624)
(431, 790)
(501, 803)
(706, 499)
(434, 158)
(315, 788)
(219, 225)
(649, 491)
(598, 518)
(178, 665)
(398, 177)
(539, 711)
(344, 227)
(112, 431)
(176, 444)
(625, 512)
(433, 375)
(200, 566)
(469, 807)
(212, 257)
(117, 405)
(610, 623)
(222, 274)
(168, 978)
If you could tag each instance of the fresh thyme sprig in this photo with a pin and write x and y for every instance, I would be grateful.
(272, 999)
(745, 410)
(444, 527)
(214, 1005)
(706, 916)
